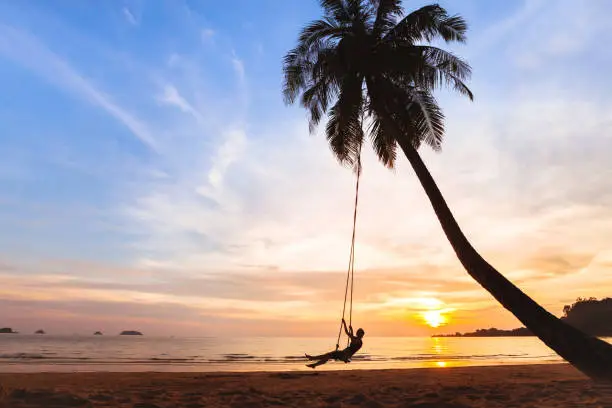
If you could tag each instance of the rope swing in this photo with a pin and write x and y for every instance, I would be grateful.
(351, 267)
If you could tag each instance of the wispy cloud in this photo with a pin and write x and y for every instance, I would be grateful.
(171, 96)
(545, 40)
(502, 30)
(238, 66)
(230, 152)
(27, 50)
(129, 16)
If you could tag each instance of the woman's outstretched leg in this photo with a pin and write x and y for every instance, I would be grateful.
(325, 356)
(318, 363)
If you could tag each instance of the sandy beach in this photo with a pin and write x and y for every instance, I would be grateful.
(555, 385)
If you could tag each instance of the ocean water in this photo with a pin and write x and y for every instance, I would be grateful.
(43, 353)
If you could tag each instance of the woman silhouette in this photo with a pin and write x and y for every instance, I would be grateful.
(342, 355)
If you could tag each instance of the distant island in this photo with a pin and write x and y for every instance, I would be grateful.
(590, 315)
(492, 332)
(7, 330)
(40, 331)
(130, 333)
(98, 333)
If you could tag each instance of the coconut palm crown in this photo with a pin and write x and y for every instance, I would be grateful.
(366, 60)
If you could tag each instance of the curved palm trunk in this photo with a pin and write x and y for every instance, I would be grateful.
(588, 354)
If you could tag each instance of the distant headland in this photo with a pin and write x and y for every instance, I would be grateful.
(7, 330)
(590, 315)
(130, 333)
(492, 332)
(98, 333)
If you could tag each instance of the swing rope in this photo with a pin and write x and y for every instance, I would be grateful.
(351, 268)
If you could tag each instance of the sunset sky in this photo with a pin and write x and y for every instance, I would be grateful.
(151, 177)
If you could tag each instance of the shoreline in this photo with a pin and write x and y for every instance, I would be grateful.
(243, 368)
(535, 385)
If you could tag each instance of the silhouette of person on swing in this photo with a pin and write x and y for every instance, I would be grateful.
(341, 355)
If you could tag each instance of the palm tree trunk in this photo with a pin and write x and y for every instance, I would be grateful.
(588, 354)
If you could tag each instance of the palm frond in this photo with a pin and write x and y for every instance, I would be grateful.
(361, 13)
(428, 23)
(427, 67)
(383, 142)
(453, 28)
(445, 60)
(319, 30)
(427, 118)
(336, 9)
(387, 13)
(317, 80)
(381, 133)
(303, 65)
(316, 99)
(447, 69)
(407, 112)
(299, 62)
(344, 128)
(296, 72)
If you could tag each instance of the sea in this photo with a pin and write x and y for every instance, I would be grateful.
(49, 353)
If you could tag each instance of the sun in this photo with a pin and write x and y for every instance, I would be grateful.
(434, 318)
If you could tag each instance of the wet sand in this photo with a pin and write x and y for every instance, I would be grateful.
(554, 385)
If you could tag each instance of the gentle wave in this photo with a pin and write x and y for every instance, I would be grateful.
(22, 356)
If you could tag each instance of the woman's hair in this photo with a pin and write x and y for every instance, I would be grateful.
(360, 332)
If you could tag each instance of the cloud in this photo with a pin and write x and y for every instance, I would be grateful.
(499, 31)
(230, 151)
(284, 201)
(26, 50)
(238, 67)
(259, 284)
(544, 40)
(274, 296)
(129, 16)
(171, 96)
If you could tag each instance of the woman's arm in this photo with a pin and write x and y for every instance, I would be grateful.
(346, 329)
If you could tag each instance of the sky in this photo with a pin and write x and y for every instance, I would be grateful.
(151, 177)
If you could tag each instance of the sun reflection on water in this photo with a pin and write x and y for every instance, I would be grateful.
(438, 348)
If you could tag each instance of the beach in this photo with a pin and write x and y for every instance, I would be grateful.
(551, 385)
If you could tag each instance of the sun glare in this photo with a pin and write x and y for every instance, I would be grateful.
(434, 318)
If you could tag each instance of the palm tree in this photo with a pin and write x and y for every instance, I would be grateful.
(369, 70)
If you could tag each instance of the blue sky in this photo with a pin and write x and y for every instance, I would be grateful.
(149, 165)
